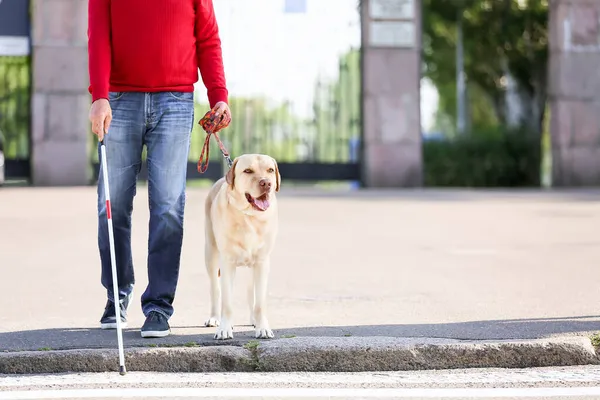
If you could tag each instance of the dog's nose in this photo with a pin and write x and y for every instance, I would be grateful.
(265, 183)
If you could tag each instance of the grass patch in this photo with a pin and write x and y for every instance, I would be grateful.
(595, 338)
(252, 345)
(288, 336)
(171, 345)
(44, 349)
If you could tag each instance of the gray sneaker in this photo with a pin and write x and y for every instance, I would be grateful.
(156, 326)
(109, 318)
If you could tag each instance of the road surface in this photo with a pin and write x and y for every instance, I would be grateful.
(422, 263)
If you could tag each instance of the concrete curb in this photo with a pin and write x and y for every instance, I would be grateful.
(315, 354)
(173, 359)
(400, 354)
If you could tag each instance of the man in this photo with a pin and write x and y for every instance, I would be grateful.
(144, 57)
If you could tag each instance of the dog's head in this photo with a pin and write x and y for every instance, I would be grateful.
(254, 177)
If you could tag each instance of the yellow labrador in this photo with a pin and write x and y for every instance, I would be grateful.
(241, 226)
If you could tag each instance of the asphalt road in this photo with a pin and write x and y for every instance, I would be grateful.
(538, 383)
(449, 264)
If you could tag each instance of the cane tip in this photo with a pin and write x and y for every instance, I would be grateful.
(122, 370)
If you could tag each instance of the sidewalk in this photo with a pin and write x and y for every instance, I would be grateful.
(380, 270)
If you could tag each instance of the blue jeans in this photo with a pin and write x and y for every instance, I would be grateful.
(163, 123)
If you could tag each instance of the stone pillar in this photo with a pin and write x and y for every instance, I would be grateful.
(574, 92)
(60, 101)
(391, 70)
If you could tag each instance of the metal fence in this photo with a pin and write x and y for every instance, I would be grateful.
(294, 83)
(15, 114)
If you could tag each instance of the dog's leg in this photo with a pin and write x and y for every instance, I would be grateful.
(250, 297)
(261, 276)
(225, 329)
(211, 255)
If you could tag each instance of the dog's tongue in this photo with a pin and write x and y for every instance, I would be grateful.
(261, 203)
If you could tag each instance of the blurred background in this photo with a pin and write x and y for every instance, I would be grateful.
(327, 88)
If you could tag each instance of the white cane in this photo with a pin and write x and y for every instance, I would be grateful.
(113, 261)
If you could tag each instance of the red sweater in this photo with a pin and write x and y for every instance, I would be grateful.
(154, 45)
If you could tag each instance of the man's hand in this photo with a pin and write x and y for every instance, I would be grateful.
(217, 118)
(221, 108)
(100, 117)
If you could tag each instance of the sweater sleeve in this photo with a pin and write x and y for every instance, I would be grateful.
(99, 48)
(209, 53)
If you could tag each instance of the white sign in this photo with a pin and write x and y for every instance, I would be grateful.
(392, 9)
(14, 46)
(392, 34)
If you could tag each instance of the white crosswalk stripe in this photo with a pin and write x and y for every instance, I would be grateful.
(279, 393)
(556, 383)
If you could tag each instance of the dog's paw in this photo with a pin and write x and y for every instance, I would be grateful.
(224, 333)
(212, 321)
(264, 333)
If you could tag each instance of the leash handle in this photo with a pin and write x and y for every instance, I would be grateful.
(211, 126)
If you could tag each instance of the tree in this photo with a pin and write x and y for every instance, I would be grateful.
(506, 52)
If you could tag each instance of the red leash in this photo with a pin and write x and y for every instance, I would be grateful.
(210, 124)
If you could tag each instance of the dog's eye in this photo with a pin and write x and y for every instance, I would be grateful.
(247, 171)
(270, 170)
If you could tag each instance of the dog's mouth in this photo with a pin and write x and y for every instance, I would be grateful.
(260, 203)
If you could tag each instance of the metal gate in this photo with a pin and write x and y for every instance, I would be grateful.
(15, 111)
(15, 87)
(294, 80)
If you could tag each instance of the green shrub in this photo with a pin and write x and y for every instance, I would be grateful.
(494, 158)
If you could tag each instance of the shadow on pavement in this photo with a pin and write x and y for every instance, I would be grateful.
(473, 330)
(92, 338)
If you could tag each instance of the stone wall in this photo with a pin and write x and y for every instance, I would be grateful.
(60, 104)
(574, 91)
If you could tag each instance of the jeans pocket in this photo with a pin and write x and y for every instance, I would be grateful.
(112, 96)
(183, 96)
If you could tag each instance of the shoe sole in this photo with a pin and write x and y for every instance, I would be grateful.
(112, 325)
(155, 334)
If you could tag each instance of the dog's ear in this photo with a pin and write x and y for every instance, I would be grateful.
(230, 177)
(277, 176)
